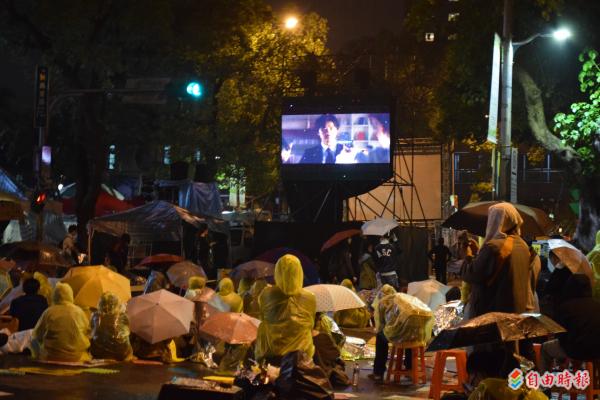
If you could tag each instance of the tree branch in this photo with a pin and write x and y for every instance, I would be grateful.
(537, 122)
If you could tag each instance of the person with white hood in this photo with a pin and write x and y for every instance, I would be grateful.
(501, 276)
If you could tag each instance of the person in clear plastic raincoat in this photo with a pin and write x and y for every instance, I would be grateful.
(594, 259)
(229, 296)
(195, 285)
(251, 306)
(287, 312)
(110, 330)
(354, 318)
(62, 333)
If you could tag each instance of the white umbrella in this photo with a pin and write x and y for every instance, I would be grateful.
(180, 273)
(378, 226)
(255, 269)
(430, 292)
(571, 257)
(335, 298)
(159, 316)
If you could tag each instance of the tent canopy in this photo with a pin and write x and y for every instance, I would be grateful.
(155, 221)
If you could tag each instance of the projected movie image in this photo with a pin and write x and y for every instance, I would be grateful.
(336, 139)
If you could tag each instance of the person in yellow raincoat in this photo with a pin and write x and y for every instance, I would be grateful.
(229, 296)
(110, 330)
(45, 286)
(287, 312)
(594, 259)
(195, 286)
(354, 318)
(62, 333)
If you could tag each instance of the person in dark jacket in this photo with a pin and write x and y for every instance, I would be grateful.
(29, 307)
(579, 314)
(385, 263)
(439, 256)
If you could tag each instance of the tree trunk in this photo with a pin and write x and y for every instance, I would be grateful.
(589, 213)
(91, 160)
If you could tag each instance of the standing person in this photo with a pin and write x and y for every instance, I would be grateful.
(385, 263)
(501, 274)
(69, 244)
(119, 252)
(439, 256)
(328, 148)
(366, 265)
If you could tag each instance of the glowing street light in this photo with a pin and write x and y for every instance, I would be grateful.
(561, 34)
(291, 22)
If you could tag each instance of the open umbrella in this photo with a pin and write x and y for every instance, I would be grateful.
(34, 256)
(207, 302)
(254, 269)
(159, 315)
(378, 226)
(10, 207)
(335, 298)
(338, 237)
(310, 270)
(495, 327)
(7, 265)
(430, 292)
(571, 257)
(88, 284)
(180, 273)
(161, 259)
(473, 218)
(232, 328)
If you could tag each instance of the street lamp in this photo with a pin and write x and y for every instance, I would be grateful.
(291, 22)
(509, 48)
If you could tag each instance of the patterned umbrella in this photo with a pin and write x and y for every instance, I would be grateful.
(338, 237)
(159, 315)
(232, 328)
(335, 297)
(180, 273)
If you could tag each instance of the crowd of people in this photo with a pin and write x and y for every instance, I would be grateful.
(505, 274)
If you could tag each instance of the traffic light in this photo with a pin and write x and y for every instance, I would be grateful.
(38, 201)
(194, 89)
(185, 89)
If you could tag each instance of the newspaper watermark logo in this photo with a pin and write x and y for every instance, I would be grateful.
(515, 379)
(565, 379)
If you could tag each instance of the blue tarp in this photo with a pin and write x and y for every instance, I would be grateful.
(199, 198)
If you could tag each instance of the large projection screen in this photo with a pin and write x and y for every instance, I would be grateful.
(426, 175)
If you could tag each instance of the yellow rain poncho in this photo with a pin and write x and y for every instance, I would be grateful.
(407, 320)
(354, 318)
(195, 285)
(45, 286)
(386, 290)
(110, 330)
(497, 389)
(594, 259)
(287, 312)
(62, 333)
(251, 306)
(229, 296)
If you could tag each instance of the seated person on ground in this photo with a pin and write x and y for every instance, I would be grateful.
(287, 313)
(353, 318)
(62, 333)
(28, 308)
(110, 330)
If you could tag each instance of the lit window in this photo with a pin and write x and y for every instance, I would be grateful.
(453, 17)
(429, 37)
(167, 155)
(197, 156)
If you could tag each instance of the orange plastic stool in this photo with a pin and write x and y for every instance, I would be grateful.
(439, 365)
(594, 388)
(537, 351)
(396, 369)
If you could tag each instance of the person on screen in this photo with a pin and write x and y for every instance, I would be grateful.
(381, 153)
(326, 151)
(286, 152)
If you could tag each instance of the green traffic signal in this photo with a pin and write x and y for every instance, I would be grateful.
(194, 89)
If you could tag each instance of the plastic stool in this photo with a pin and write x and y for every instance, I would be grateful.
(537, 351)
(396, 369)
(439, 365)
(594, 388)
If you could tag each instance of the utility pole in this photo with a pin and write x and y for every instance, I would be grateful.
(506, 104)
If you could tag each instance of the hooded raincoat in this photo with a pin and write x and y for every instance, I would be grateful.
(62, 333)
(195, 286)
(110, 330)
(229, 296)
(501, 276)
(594, 259)
(353, 318)
(287, 313)
(45, 286)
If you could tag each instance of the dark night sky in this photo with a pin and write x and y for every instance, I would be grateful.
(348, 19)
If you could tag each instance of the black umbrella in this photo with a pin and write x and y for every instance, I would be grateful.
(495, 327)
(33, 256)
